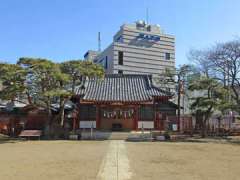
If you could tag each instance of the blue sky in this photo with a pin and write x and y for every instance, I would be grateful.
(65, 29)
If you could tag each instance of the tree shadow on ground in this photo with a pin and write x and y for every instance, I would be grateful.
(4, 139)
(218, 140)
(235, 142)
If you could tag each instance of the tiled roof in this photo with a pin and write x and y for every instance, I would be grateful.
(120, 88)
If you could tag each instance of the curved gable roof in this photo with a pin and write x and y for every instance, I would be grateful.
(120, 88)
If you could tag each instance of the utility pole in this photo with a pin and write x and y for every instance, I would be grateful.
(228, 74)
(229, 94)
(183, 97)
(147, 15)
(179, 100)
(99, 41)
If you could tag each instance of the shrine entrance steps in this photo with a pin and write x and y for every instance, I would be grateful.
(119, 135)
(103, 135)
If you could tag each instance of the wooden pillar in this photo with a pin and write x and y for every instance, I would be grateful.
(98, 117)
(178, 123)
(136, 118)
(74, 124)
(155, 117)
(77, 118)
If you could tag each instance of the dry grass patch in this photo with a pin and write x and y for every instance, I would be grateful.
(184, 161)
(55, 160)
(60, 160)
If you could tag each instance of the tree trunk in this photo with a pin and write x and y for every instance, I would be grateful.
(29, 98)
(61, 113)
(204, 129)
(219, 125)
(49, 118)
(205, 120)
(236, 94)
(49, 109)
(73, 85)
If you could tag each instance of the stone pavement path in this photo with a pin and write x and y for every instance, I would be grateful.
(115, 165)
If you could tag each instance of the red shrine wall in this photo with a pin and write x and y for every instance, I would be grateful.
(127, 124)
(129, 117)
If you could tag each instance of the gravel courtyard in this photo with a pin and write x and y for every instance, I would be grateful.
(58, 160)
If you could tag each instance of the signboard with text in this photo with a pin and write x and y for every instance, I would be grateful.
(148, 37)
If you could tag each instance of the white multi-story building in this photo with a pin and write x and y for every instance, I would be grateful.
(137, 48)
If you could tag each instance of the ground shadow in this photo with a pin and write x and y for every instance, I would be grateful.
(219, 140)
(10, 140)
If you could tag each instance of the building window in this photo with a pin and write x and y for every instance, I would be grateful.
(168, 89)
(167, 56)
(120, 57)
(102, 62)
(106, 63)
(119, 39)
(120, 71)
